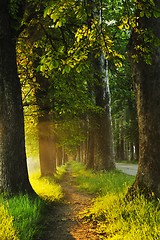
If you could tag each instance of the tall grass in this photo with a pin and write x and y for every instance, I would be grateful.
(7, 230)
(21, 216)
(119, 219)
(114, 217)
(100, 183)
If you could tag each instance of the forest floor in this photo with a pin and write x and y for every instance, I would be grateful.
(63, 221)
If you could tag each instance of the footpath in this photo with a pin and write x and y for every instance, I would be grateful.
(63, 221)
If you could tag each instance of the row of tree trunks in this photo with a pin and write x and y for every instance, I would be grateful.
(125, 150)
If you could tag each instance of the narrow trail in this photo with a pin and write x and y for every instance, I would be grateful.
(62, 221)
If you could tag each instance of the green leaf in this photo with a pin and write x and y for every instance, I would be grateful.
(61, 49)
(58, 24)
(66, 69)
(47, 11)
(42, 68)
(79, 68)
(54, 16)
(55, 63)
(142, 14)
(148, 14)
(38, 69)
(156, 14)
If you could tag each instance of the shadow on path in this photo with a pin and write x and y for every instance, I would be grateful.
(58, 222)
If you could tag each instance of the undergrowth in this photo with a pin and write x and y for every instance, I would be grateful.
(21, 216)
(114, 217)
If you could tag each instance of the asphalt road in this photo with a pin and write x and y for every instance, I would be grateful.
(130, 169)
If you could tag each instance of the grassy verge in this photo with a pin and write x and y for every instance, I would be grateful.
(60, 171)
(46, 187)
(100, 183)
(114, 217)
(7, 230)
(21, 216)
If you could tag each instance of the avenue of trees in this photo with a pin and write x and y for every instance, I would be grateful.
(85, 77)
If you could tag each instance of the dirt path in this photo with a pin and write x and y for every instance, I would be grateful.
(62, 221)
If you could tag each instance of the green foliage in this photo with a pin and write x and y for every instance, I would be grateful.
(16, 11)
(123, 105)
(70, 134)
(14, 7)
(145, 45)
(87, 33)
(145, 39)
(70, 94)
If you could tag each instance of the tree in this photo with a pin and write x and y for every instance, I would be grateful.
(124, 113)
(101, 126)
(86, 46)
(13, 167)
(46, 135)
(103, 139)
(145, 53)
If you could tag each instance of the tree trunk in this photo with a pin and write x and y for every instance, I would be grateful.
(147, 82)
(90, 147)
(131, 157)
(103, 128)
(47, 149)
(13, 166)
(47, 140)
(59, 156)
(103, 139)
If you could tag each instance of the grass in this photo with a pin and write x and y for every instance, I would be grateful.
(116, 218)
(113, 216)
(46, 187)
(60, 171)
(7, 230)
(100, 183)
(21, 216)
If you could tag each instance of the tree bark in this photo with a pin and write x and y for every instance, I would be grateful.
(104, 139)
(59, 156)
(13, 166)
(47, 148)
(90, 147)
(147, 82)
